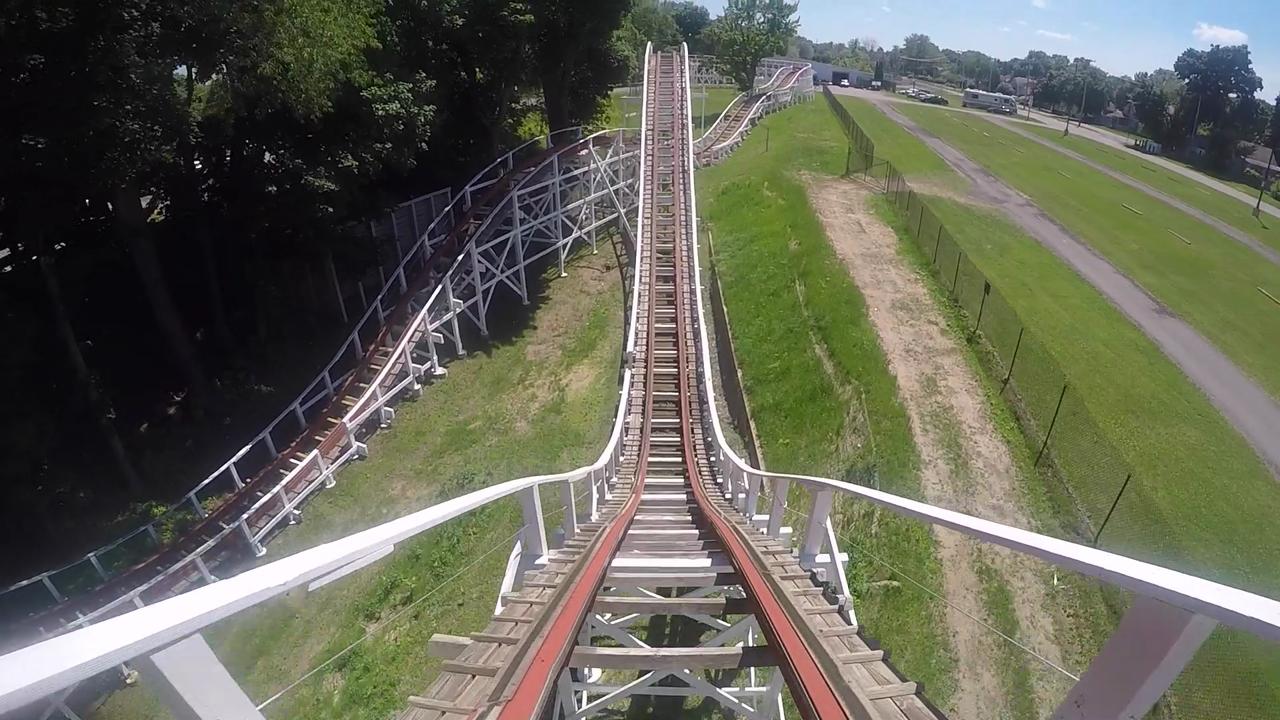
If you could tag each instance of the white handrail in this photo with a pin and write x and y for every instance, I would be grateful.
(1237, 608)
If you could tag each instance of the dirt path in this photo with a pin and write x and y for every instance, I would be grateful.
(1236, 234)
(1249, 409)
(965, 464)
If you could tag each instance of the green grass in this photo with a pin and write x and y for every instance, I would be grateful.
(910, 156)
(1200, 501)
(540, 398)
(997, 601)
(1240, 185)
(791, 304)
(1212, 283)
(1221, 206)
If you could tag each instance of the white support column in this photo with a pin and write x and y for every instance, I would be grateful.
(533, 538)
(1141, 659)
(519, 241)
(816, 531)
(778, 510)
(563, 250)
(194, 685)
(570, 509)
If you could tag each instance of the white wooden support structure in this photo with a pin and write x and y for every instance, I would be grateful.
(1138, 663)
(192, 683)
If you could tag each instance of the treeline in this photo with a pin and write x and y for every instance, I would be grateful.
(179, 179)
(1209, 94)
(182, 182)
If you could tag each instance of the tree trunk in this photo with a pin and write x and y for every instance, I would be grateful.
(555, 96)
(97, 404)
(133, 224)
(194, 213)
(213, 286)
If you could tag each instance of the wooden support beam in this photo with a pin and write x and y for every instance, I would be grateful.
(690, 658)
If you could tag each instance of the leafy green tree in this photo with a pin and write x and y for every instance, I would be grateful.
(692, 19)
(1220, 86)
(748, 32)
(577, 56)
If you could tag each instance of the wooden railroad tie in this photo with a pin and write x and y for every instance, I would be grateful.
(1175, 234)
(1130, 208)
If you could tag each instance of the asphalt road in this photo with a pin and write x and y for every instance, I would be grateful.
(1249, 409)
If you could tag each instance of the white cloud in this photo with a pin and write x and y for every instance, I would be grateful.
(1089, 25)
(885, 8)
(1005, 28)
(1054, 35)
(1042, 4)
(1216, 34)
(1022, 22)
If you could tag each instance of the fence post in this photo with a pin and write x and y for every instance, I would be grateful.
(1013, 359)
(1114, 503)
(920, 220)
(937, 244)
(1052, 422)
(955, 277)
(982, 305)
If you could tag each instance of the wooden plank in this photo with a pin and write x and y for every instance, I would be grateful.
(495, 638)
(672, 606)
(881, 692)
(692, 658)
(821, 609)
(839, 631)
(860, 656)
(426, 703)
(447, 647)
(515, 598)
(468, 668)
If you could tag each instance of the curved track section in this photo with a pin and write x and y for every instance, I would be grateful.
(511, 214)
(669, 543)
(788, 84)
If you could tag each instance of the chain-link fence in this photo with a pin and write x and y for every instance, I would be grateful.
(1097, 497)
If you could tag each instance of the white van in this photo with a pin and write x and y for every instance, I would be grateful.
(992, 102)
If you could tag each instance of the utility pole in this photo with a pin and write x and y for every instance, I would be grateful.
(1257, 209)
(1195, 124)
(1083, 94)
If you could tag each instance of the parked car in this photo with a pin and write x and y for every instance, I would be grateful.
(844, 82)
(934, 100)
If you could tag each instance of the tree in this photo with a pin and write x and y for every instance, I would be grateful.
(570, 61)
(1222, 83)
(749, 31)
(692, 19)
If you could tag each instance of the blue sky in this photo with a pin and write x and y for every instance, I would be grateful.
(1122, 36)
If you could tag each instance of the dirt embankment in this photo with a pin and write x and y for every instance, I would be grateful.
(965, 464)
